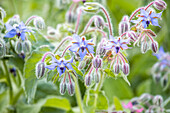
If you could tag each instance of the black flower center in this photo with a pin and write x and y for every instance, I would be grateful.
(82, 48)
(147, 23)
(62, 69)
(18, 34)
(117, 49)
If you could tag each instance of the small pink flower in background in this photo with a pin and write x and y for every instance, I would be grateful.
(76, 0)
(131, 107)
(139, 110)
(128, 106)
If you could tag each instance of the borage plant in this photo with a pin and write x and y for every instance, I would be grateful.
(87, 54)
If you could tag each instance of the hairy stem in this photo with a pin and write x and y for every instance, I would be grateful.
(78, 95)
(62, 42)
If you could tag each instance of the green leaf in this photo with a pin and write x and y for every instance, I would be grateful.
(117, 104)
(118, 88)
(29, 69)
(95, 101)
(57, 102)
(109, 73)
(4, 101)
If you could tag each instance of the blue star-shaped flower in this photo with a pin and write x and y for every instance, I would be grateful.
(82, 46)
(61, 65)
(117, 44)
(18, 30)
(148, 18)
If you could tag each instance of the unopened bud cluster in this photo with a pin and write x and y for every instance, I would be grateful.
(23, 46)
(146, 103)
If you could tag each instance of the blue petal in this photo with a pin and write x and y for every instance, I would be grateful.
(9, 27)
(144, 24)
(22, 25)
(69, 66)
(113, 40)
(23, 36)
(52, 66)
(77, 38)
(124, 46)
(90, 48)
(74, 48)
(144, 13)
(10, 34)
(154, 22)
(109, 46)
(158, 15)
(82, 54)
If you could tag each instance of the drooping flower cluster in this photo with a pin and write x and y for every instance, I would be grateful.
(146, 18)
(161, 69)
(108, 56)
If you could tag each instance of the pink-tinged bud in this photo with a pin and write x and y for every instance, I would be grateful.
(132, 35)
(97, 62)
(70, 88)
(158, 100)
(124, 25)
(154, 46)
(88, 80)
(18, 47)
(40, 69)
(62, 88)
(125, 18)
(100, 49)
(160, 5)
(144, 47)
(99, 22)
(125, 68)
(116, 68)
(150, 32)
(144, 98)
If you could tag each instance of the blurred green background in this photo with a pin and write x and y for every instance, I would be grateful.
(140, 64)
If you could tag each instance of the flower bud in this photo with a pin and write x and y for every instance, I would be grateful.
(88, 80)
(97, 62)
(100, 49)
(124, 25)
(39, 23)
(70, 17)
(18, 46)
(27, 46)
(97, 77)
(125, 68)
(83, 63)
(157, 77)
(91, 7)
(70, 88)
(164, 81)
(145, 98)
(2, 48)
(40, 70)
(144, 47)
(154, 46)
(160, 5)
(2, 13)
(158, 100)
(62, 88)
(116, 68)
(99, 22)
